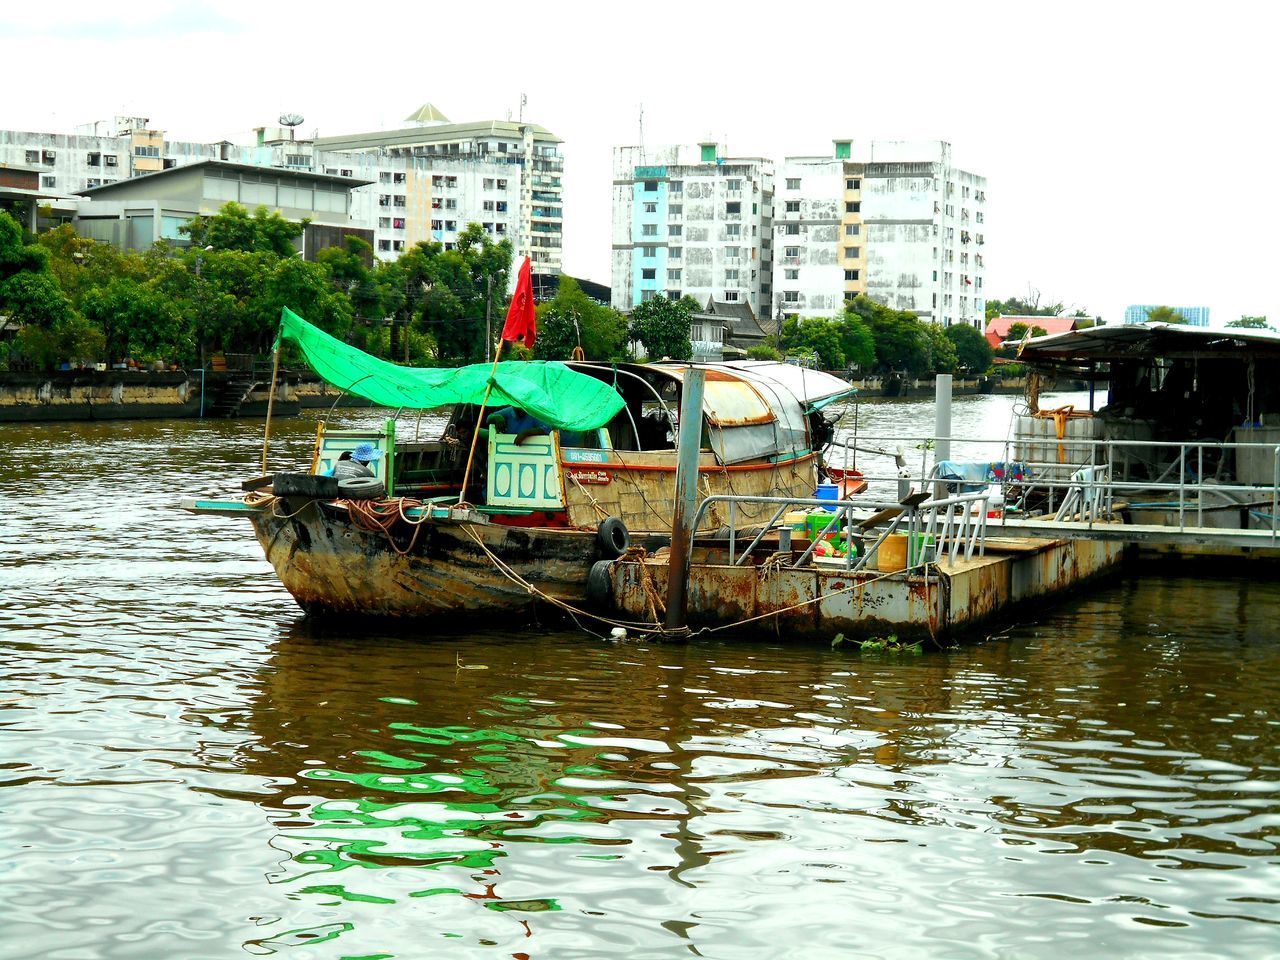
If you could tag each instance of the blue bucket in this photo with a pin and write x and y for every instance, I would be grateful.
(827, 491)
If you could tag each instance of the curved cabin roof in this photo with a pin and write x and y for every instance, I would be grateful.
(1079, 349)
(758, 408)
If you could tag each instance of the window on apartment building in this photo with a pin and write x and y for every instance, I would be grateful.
(110, 160)
(33, 156)
(791, 273)
(397, 244)
(648, 251)
(499, 228)
(651, 207)
(397, 178)
(673, 294)
(384, 177)
(731, 296)
(675, 210)
(450, 203)
(674, 275)
(488, 205)
(94, 159)
(793, 183)
(397, 223)
(345, 173)
(648, 229)
(647, 295)
(649, 273)
(851, 274)
(764, 289)
(651, 186)
(674, 230)
(145, 151)
(488, 183)
(730, 275)
(384, 199)
(790, 296)
(384, 223)
(502, 184)
(854, 184)
(791, 251)
(793, 206)
(399, 200)
(675, 186)
(733, 230)
(501, 206)
(384, 244)
(733, 184)
(791, 229)
(935, 276)
(674, 253)
(734, 206)
(732, 253)
(965, 192)
(853, 206)
(852, 229)
(978, 216)
(451, 224)
(437, 224)
(48, 182)
(437, 182)
(852, 253)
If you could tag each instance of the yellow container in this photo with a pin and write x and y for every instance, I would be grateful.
(891, 555)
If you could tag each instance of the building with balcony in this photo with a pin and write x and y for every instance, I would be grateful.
(688, 220)
(896, 222)
(426, 181)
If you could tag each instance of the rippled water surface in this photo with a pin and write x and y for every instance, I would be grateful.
(189, 770)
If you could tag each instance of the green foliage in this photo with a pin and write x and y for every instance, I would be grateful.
(572, 317)
(762, 351)
(662, 327)
(1164, 315)
(901, 342)
(973, 353)
(232, 228)
(942, 350)
(29, 291)
(1251, 323)
(817, 335)
(1030, 307)
(137, 319)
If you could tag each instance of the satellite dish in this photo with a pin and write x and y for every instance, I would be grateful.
(291, 120)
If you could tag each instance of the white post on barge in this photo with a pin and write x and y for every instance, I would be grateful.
(688, 456)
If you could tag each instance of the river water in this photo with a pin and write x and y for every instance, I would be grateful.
(189, 770)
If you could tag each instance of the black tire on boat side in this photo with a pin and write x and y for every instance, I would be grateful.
(600, 585)
(613, 538)
(361, 488)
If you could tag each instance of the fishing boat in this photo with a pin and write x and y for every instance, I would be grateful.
(436, 531)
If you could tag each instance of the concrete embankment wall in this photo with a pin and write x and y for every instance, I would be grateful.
(144, 395)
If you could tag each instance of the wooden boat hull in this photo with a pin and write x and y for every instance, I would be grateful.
(331, 565)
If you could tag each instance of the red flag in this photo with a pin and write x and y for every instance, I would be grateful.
(522, 318)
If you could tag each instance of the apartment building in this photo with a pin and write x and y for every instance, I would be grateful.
(688, 220)
(426, 181)
(1195, 316)
(896, 221)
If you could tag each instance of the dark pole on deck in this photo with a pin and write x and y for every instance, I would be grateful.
(688, 448)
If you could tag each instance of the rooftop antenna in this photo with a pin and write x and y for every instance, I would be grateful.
(642, 157)
(523, 100)
(292, 121)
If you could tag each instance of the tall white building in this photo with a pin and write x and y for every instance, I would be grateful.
(688, 220)
(428, 180)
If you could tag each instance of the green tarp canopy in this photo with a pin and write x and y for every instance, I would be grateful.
(549, 390)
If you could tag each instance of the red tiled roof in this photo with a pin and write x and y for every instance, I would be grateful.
(998, 329)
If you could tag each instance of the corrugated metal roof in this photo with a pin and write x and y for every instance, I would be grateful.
(1145, 339)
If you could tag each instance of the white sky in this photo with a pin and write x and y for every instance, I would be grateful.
(1129, 146)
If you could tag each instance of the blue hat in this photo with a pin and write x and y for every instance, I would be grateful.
(366, 453)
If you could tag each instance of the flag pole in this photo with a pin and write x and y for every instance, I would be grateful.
(475, 434)
(271, 401)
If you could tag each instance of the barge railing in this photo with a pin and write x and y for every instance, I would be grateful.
(1087, 490)
(935, 528)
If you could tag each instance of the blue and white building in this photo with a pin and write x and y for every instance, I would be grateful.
(1195, 316)
(688, 220)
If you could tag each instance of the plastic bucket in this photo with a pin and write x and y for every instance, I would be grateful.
(815, 523)
(827, 491)
(920, 542)
(891, 555)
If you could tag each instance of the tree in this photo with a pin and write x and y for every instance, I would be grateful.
(1251, 323)
(662, 327)
(762, 351)
(857, 341)
(232, 228)
(1030, 306)
(571, 319)
(137, 319)
(1164, 315)
(901, 343)
(820, 336)
(29, 292)
(942, 351)
(973, 352)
